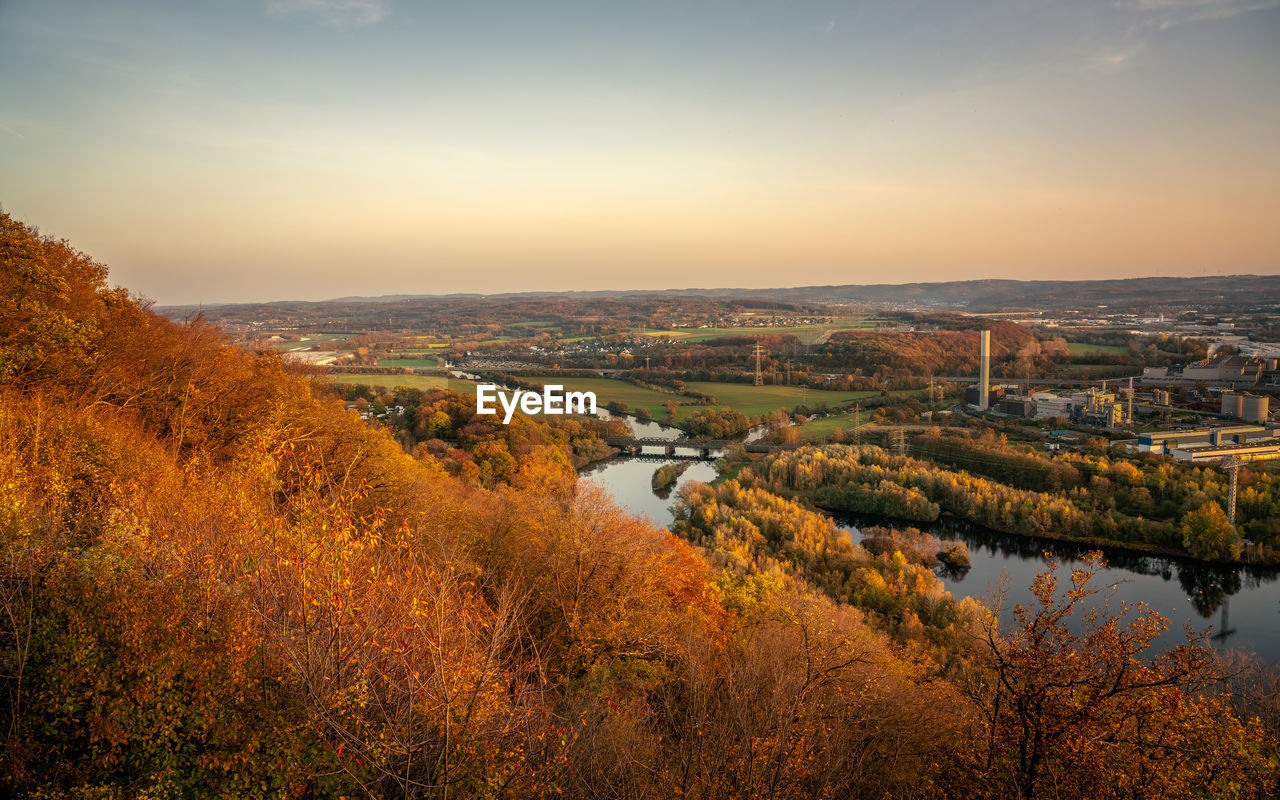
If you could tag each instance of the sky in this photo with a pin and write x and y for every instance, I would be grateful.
(250, 150)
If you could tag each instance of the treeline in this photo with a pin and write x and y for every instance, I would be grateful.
(1148, 486)
(951, 349)
(855, 478)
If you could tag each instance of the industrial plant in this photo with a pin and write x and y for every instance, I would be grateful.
(1099, 407)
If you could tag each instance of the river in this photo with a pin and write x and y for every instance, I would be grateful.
(1244, 602)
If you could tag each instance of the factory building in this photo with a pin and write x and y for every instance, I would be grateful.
(1220, 370)
(1049, 405)
(1248, 407)
(1235, 369)
(1017, 407)
(1256, 450)
(1256, 409)
(973, 397)
(1099, 408)
(1209, 440)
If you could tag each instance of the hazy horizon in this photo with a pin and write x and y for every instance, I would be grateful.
(267, 150)
(679, 290)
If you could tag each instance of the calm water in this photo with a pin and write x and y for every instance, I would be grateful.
(1243, 602)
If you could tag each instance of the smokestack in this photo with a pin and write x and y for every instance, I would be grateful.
(984, 375)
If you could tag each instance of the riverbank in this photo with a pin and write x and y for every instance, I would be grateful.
(1238, 604)
(870, 479)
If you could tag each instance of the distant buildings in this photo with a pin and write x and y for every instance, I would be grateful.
(1220, 369)
(973, 397)
(1246, 442)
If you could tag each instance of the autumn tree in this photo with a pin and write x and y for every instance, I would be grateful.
(1206, 533)
(1074, 702)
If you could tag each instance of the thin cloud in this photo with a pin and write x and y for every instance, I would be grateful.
(338, 13)
(1165, 14)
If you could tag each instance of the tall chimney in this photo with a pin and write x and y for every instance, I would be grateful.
(984, 376)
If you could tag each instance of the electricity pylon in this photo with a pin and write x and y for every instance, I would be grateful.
(1232, 466)
(900, 440)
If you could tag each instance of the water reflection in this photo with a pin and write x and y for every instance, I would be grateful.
(1208, 590)
(630, 481)
(1187, 592)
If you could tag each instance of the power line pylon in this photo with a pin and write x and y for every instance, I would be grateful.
(1232, 466)
(758, 351)
(900, 440)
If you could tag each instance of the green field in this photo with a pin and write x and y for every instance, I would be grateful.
(750, 400)
(1084, 348)
(400, 361)
(608, 390)
(756, 400)
(423, 382)
(817, 430)
(807, 334)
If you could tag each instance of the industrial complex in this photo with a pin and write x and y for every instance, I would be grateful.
(1100, 408)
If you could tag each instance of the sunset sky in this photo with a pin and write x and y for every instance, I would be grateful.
(307, 149)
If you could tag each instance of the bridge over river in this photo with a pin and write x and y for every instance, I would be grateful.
(701, 448)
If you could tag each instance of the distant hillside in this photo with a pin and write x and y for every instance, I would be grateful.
(1236, 292)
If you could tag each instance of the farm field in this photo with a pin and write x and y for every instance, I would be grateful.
(756, 400)
(608, 390)
(807, 334)
(403, 361)
(750, 400)
(818, 429)
(424, 382)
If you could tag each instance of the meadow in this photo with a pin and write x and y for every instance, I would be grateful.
(1085, 348)
(406, 361)
(424, 382)
(756, 400)
(817, 430)
(807, 334)
(608, 390)
(750, 400)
